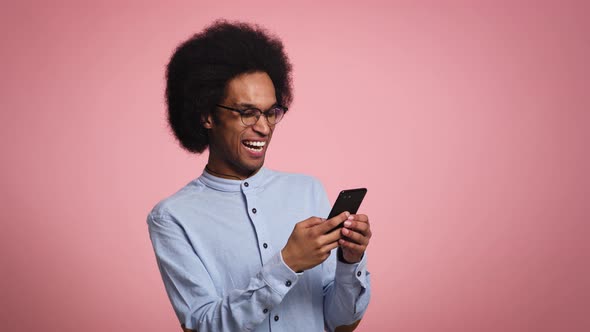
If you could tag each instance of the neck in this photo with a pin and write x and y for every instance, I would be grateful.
(228, 175)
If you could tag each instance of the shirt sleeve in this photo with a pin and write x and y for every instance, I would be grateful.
(347, 287)
(347, 291)
(192, 292)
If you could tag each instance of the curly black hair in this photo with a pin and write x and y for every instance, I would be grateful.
(201, 67)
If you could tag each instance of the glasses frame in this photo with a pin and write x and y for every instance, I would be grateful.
(260, 113)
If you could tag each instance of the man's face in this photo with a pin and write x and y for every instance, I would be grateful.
(236, 149)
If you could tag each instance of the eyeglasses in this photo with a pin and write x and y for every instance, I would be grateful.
(251, 115)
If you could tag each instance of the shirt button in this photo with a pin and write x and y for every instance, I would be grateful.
(254, 210)
(358, 274)
(265, 245)
(246, 184)
(276, 318)
(265, 310)
(288, 283)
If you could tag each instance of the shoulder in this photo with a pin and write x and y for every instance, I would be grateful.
(295, 181)
(168, 207)
(292, 178)
(306, 190)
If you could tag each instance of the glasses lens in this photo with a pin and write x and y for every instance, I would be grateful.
(275, 115)
(250, 116)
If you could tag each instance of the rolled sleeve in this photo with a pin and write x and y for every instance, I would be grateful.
(347, 297)
(350, 274)
(278, 276)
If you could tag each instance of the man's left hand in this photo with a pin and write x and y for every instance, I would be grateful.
(356, 235)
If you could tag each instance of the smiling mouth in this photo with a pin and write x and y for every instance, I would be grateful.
(255, 146)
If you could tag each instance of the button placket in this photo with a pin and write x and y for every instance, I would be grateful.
(259, 226)
(251, 203)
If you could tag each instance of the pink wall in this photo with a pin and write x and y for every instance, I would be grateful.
(468, 122)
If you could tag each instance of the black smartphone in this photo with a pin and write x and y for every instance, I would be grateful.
(348, 200)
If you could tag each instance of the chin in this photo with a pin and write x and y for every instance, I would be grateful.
(253, 167)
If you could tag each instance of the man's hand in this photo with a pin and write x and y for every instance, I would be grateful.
(356, 234)
(310, 244)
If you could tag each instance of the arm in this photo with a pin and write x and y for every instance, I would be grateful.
(192, 292)
(347, 288)
(348, 328)
(346, 293)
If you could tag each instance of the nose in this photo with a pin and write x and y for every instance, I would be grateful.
(262, 125)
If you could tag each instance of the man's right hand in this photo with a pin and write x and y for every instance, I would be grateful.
(309, 244)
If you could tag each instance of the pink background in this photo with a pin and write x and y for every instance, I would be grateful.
(467, 121)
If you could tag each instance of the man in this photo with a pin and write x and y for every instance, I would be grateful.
(243, 247)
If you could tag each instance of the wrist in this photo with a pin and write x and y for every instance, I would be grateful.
(347, 260)
(289, 261)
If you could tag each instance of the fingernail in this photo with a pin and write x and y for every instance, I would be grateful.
(346, 214)
(345, 231)
(347, 223)
(351, 218)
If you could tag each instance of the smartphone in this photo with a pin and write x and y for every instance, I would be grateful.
(348, 200)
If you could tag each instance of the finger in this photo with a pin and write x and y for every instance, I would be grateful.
(333, 236)
(355, 236)
(361, 217)
(328, 247)
(333, 222)
(355, 248)
(313, 221)
(358, 226)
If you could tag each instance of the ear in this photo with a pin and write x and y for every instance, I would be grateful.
(207, 121)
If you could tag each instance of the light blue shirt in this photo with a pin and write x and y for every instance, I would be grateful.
(218, 246)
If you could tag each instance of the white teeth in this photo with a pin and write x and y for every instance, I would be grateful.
(255, 143)
(255, 146)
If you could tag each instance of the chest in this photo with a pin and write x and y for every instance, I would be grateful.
(234, 235)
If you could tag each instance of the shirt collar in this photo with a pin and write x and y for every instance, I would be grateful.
(222, 184)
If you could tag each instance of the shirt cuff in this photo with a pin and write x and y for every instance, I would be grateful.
(352, 273)
(278, 276)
